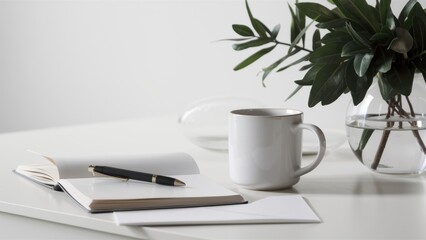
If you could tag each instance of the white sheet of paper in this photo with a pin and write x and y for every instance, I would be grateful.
(276, 209)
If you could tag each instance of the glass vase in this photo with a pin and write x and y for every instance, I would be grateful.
(390, 136)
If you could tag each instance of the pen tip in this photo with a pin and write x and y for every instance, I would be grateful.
(179, 183)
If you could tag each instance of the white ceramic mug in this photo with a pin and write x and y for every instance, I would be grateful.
(265, 147)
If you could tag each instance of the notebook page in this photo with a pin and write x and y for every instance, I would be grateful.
(163, 164)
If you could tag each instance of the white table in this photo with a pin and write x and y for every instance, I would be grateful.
(353, 202)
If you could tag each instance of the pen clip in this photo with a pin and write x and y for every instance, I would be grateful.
(97, 174)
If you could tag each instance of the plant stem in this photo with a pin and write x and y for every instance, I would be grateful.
(385, 137)
(380, 150)
(395, 106)
(289, 45)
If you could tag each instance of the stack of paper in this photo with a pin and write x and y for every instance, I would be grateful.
(278, 209)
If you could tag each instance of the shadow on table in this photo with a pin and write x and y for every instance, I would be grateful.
(364, 184)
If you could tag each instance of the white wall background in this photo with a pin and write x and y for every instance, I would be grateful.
(72, 62)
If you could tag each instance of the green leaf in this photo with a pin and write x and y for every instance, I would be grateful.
(386, 90)
(306, 67)
(386, 15)
(362, 63)
(352, 48)
(301, 17)
(365, 136)
(275, 31)
(243, 30)
(316, 11)
(400, 77)
(294, 27)
(264, 28)
(294, 92)
(357, 37)
(419, 34)
(310, 76)
(257, 25)
(359, 11)
(333, 24)
(336, 37)
(403, 42)
(329, 53)
(268, 70)
(303, 83)
(383, 61)
(358, 86)
(249, 44)
(234, 39)
(298, 23)
(253, 58)
(339, 88)
(416, 11)
(316, 40)
(406, 10)
(382, 38)
(298, 37)
(302, 59)
(330, 76)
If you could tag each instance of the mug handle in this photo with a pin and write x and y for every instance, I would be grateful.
(321, 150)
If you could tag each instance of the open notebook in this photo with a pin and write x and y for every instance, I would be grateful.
(104, 194)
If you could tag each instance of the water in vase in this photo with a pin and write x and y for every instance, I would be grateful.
(402, 152)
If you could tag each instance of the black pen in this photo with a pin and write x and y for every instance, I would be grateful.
(128, 174)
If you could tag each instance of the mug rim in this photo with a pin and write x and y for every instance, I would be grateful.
(266, 112)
